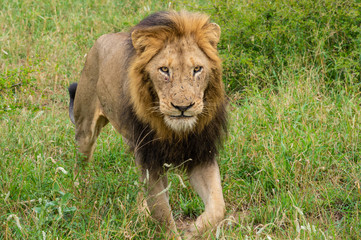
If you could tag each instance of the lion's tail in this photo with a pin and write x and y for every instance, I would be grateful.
(72, 90)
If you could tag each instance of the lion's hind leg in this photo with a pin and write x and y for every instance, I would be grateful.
(89, 120)
(86, 133)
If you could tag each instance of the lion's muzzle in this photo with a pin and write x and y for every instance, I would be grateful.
(182, 109)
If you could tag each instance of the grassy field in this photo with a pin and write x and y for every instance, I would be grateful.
(290, 166)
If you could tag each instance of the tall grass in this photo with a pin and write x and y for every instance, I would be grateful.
(291, 163)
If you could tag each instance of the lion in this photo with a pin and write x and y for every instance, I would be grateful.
(160, 86)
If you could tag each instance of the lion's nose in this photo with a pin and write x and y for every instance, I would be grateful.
(183, 108)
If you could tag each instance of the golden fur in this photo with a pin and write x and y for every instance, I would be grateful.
(160, 86)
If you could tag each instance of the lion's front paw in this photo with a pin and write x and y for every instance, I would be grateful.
(192, 231)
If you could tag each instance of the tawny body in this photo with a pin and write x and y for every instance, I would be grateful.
(160, 87)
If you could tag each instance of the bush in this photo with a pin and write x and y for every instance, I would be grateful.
(262, 39)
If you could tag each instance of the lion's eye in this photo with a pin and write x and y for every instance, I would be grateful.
(164, 70)
(197, 69)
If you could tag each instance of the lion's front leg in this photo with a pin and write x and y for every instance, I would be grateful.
(206, 181)
(158, 200)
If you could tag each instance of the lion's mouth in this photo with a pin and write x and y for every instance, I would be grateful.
(180, 116)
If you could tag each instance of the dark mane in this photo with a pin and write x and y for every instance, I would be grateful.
(154, 20)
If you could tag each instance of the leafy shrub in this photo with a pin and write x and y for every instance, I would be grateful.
(262, 39)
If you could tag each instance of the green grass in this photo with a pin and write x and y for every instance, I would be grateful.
(291, 163)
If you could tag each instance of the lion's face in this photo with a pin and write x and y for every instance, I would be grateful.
(179, 73)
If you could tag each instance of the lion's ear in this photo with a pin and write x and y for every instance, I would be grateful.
(146, 40)
(214, 33)
(138, 40)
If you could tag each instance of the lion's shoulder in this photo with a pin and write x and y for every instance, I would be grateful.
(114, 43)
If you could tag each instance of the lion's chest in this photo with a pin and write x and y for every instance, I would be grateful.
(186, 153)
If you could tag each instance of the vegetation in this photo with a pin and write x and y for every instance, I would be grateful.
(263, 38)
(290, 166)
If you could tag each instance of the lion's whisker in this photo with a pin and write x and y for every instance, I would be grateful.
(139, 141)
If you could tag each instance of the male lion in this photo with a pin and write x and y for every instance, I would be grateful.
(160, 86)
